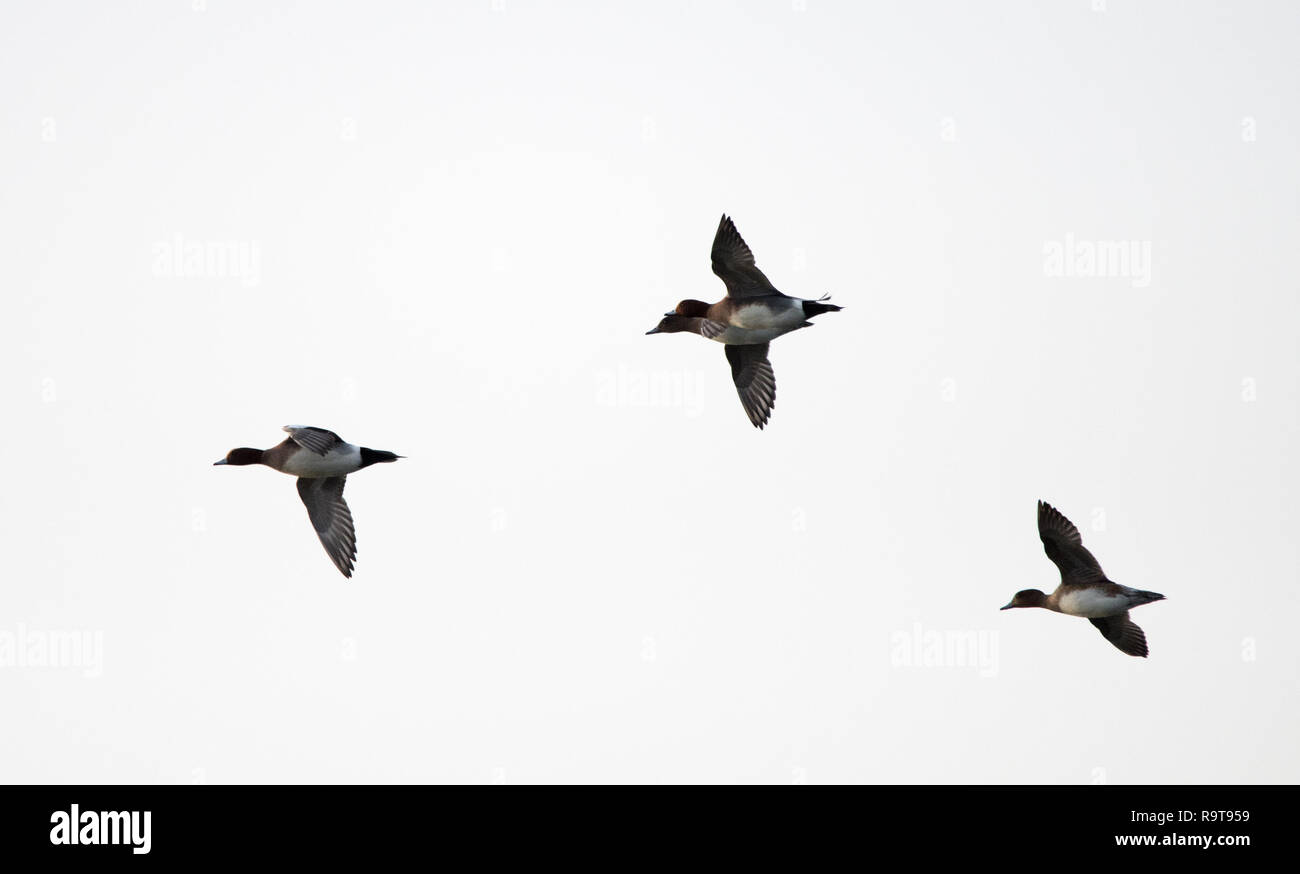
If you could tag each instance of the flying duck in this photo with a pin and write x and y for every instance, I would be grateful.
(322, 461)
(1084, 589)
(751, 315)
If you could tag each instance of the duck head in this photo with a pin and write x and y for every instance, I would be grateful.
(243, 455)
(695, 309)
(1027, 598)
(672, 324)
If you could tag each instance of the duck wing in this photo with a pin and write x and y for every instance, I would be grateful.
(1123, 632)
(755, 381)
(733, 262)
(1064, 546)
(316, 440)
(330, 516)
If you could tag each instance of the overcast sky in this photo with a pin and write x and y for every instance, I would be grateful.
(1064, 237)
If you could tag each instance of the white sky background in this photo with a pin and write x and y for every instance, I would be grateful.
(467, 217)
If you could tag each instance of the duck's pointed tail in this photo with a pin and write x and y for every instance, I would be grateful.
(817, 307)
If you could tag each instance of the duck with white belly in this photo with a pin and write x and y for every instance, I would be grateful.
(751, 315)
(322, 461)
(1084, 590)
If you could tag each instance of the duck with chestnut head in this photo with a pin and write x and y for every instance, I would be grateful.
(751, 315)
(322, 461)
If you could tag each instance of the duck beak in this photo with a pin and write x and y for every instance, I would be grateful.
(671, 313)
(652, 331)
(1008, 607)
(215, 463)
